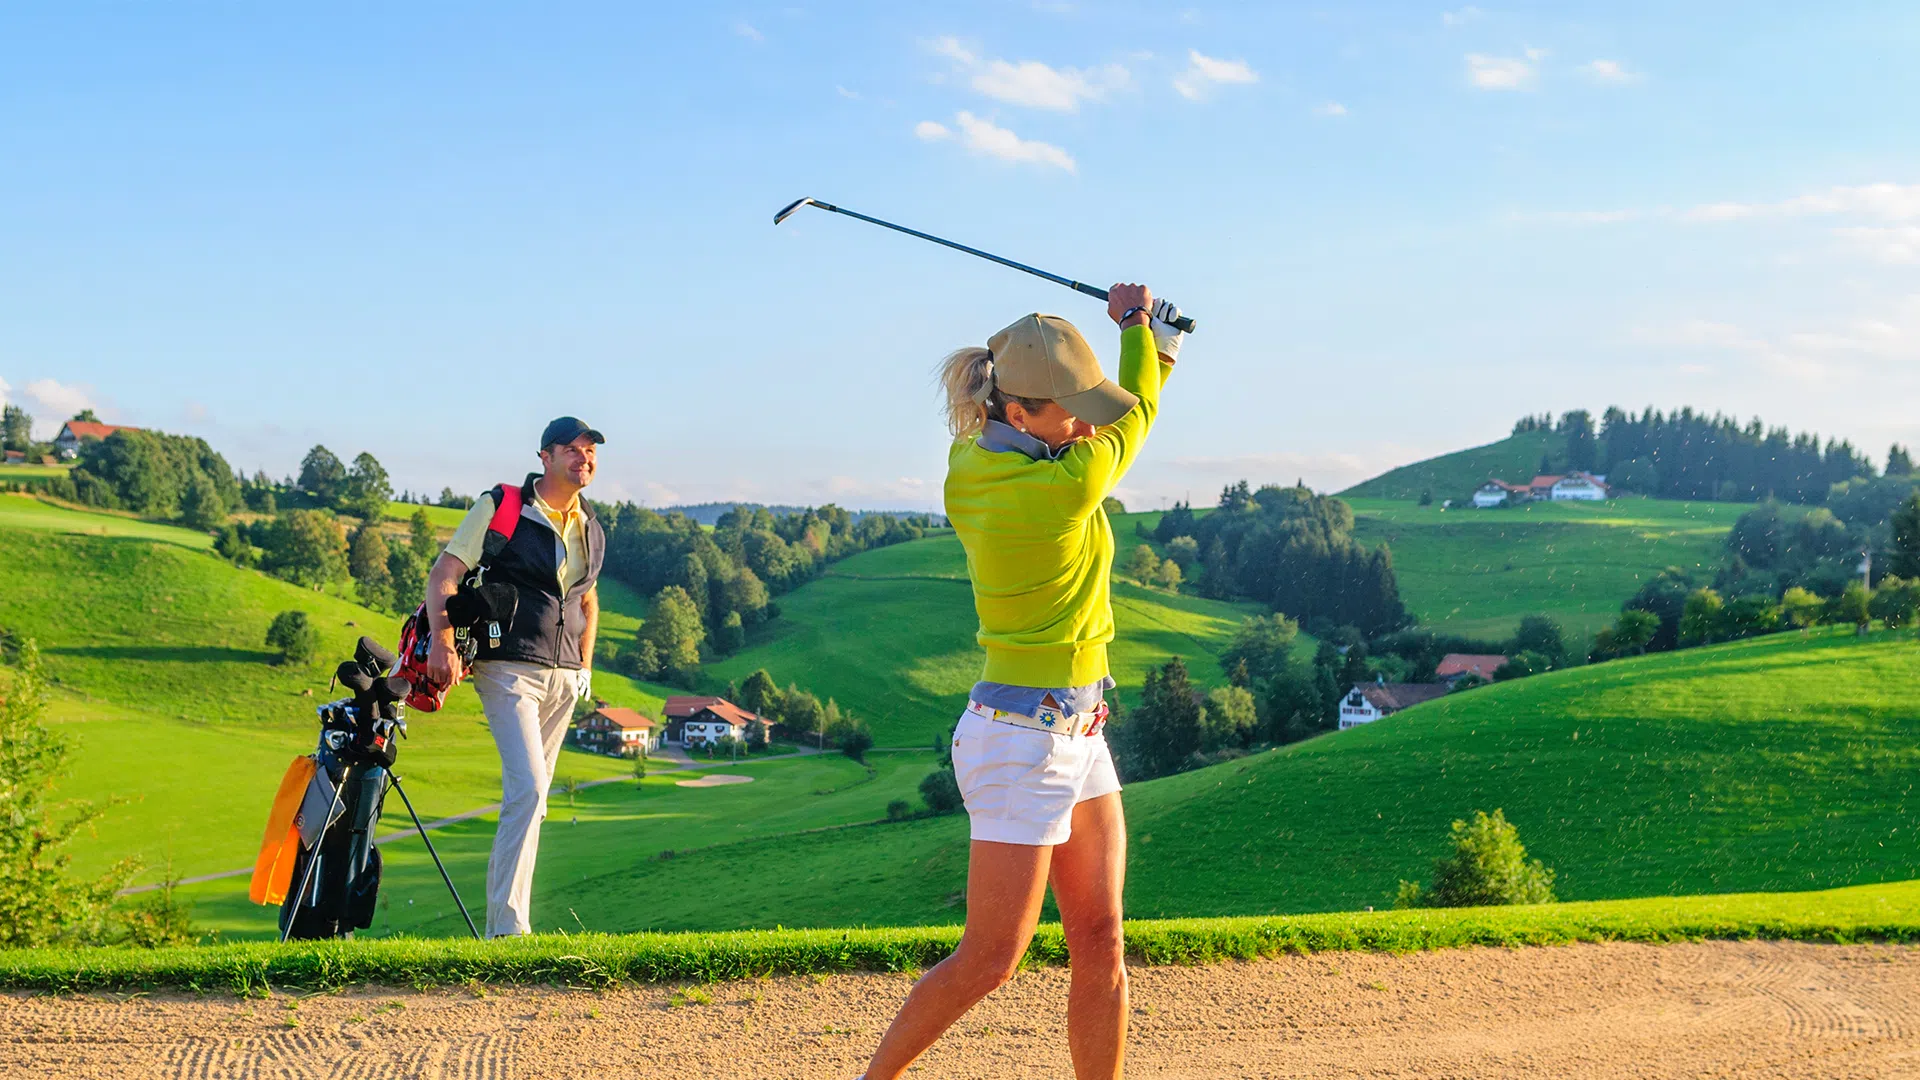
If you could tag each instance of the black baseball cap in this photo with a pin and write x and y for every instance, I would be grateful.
(566, 429)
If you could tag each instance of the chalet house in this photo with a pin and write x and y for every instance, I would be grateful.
(617, 731)
(1456, 666)
(1368, 702)
(701, 721)
(16, 457)
(1498, 493)
(1579, 487)
(74, 432)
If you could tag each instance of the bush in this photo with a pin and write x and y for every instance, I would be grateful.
(40, 904)
(899, 810)
(853, 739)
(1184, 551)
(159, 919)
(1488, 866)
(941, 792)
(295, 637)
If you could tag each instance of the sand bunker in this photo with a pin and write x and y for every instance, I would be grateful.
(1598, 1012)
(715, 780)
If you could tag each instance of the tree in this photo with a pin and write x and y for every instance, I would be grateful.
(1801, 607)
(1895, 602)
(1168, 576)
(1750, 616)
(87, 416)
(1185, 551)
(1899, 462)
(322, 476)
(1853, 605)
(760, 695)
(1228, 720)
(1582, 449)
(1522, 664)
(1488, 866)
(421, 537)
(674, 629)
(367, 490)
(941, 792)
(1426, 497)
(367, 563)
(1540, 634)
(1142, 564)
(1113, 506)
(1702, 621)
(40, 902)
(1634, 631)
(1903, 551)
(200, 505)
(854, 740)
(295, 637)
(1264, 643)
(1296, 707)
(731, 635)
(1637, 476)
(306, 547)
(232, 545)
(16, 428)
(641, 660)
(407, 577)
(803, 713)
(756, 736)
(1157, 736)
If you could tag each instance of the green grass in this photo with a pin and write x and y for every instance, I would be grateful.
(32, 472)
(27, 512)
(1781, 763)
(889, 634)
(1478, 572)
(1889, 913)
(444, 518)
(1454, 476)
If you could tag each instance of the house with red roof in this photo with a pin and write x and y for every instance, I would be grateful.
(702, 721)
(1368, 702)
(621, 732)
(1456, 666)
(74, 432)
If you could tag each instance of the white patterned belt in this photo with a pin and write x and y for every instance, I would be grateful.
(1052, 721)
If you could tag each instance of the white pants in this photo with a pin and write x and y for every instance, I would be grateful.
(528, 708)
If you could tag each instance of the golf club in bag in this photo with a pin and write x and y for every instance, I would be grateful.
(1182, 324)
(338, 865)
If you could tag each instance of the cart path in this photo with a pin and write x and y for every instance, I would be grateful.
(684, 764)
(1719, 1009)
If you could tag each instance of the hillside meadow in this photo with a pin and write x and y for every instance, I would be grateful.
(1514, 459)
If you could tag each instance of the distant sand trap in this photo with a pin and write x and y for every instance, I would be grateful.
(714, 780)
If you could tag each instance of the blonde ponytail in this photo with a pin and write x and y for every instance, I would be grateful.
(966, 381)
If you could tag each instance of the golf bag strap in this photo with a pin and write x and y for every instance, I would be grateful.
(507, 502)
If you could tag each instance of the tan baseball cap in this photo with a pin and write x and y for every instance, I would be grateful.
(1043, 356)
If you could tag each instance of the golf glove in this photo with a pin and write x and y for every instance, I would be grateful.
(1166, 340)
(583, 683)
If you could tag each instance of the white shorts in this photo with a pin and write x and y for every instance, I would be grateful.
(1021, 785)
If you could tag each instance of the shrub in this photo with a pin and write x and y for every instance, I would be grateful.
(40, 904)
(1488, 866)
(899, 810)
(1522, 664)
(941, 792)
(1143, 564)
(295, 637)
(159, 919)
(854, 740)
(1183, 551)
(1168, 576)
(1801, 607)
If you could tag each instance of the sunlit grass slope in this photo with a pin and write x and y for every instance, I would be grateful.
(1478, 572)
(1514, 459)
(165, 684)
(890, 635)
(1781, 763)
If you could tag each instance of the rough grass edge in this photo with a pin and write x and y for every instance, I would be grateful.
(1873, 913)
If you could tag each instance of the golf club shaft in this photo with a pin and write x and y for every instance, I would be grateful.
(313, 854)
(461, 904)
(1183, 324)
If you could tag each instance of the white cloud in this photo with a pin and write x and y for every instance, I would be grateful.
(1846, 357)
(1037, 85)
(951, 48)
(745, 29)
(1205, 72)
(1886, 201)
(1462, 17)
(851, 95)
(1609, 71)
(1888, 244)
(931, 130)
(55, 398)
(984, 137)
(1502, 72)
(1331, 108)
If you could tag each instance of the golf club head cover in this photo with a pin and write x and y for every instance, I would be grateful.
(373, 656)
(353, 677)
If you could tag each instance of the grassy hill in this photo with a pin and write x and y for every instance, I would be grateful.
(1781, 763)
(890, 635)
(1479, 571)
(1455, 475)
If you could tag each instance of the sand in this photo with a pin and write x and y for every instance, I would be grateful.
(715, 780)
(1748, 1009)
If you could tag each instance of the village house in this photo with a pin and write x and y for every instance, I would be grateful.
(1456, 666)
(74, 432)
(621, 732)
(16, 457)
(1498, 493)
(1579, 487)
(702, 721)
(1368, 702)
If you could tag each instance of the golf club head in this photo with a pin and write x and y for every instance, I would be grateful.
(790, 208)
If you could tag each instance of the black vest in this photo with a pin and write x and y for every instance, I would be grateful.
(546, 626)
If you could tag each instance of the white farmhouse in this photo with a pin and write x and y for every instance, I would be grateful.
(1368, 702)
(1579, 487)
(1498, 493)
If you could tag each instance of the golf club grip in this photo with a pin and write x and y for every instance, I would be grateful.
(1182, 324)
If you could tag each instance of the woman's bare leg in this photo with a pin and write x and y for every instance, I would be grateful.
(1089, 872)
(1005, 885)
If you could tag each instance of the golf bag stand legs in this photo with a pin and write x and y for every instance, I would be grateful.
(422, 829)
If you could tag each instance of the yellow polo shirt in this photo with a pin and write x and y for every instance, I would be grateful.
(569, 527)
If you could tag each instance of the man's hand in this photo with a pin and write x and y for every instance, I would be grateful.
(443, 663)
(1166, 340)
(1123, 298)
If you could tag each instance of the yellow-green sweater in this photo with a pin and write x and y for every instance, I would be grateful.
(1039, 548)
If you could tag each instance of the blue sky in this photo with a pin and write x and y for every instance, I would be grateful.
(425, 229)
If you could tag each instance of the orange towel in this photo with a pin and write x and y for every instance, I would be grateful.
(273, 870)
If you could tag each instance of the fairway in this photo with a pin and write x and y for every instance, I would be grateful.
(889, 634)
(1478, 572)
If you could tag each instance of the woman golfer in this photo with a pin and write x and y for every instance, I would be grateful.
(1040, 439)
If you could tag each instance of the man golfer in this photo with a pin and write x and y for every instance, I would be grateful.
(529, 682)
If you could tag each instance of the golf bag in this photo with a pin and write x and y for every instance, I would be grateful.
(476, 605)
(337, 866)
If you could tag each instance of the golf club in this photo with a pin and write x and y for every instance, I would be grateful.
(1182, 324)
